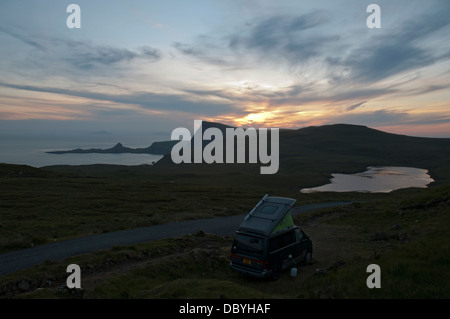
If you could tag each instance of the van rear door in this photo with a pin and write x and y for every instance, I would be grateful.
(248, 251)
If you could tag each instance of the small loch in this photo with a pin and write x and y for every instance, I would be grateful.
(376, 180)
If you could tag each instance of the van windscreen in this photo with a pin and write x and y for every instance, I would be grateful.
(249, 243)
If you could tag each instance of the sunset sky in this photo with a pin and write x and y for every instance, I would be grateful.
(143, 65)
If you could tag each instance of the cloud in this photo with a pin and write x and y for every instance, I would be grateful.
(289, 36)
(27, 39)
(296, 62)
(372, 118)
(323, 65)
(87, 56)
(181, 103)
(203, 51)
(297, 96)
(428, 119)
(355, 106)
(386, 59)
(359, 92)
(403, 49)
(82, 55)
(432, 88)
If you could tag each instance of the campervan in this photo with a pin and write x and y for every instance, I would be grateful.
(268, 242)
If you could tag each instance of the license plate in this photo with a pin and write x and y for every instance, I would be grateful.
(247, 261)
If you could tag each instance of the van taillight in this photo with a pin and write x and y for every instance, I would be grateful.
(255, 262)
(234, 257)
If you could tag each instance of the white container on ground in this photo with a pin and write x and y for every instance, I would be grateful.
(293, 272)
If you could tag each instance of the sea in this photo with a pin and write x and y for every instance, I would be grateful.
(30, 149)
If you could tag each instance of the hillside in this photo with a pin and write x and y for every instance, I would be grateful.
(314, 153)
(157, 148)
(351, 148)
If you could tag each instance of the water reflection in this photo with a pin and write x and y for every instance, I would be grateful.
(376, 180)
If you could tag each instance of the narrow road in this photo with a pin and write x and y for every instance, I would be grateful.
(222, 226)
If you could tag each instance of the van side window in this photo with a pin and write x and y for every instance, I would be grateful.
(281, 241)
(299, 235)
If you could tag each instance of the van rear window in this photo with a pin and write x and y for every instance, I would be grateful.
(249, 243)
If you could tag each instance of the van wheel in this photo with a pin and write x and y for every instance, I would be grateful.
(276, 272)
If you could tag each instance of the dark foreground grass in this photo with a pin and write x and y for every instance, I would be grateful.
(406, 234)
(418, 269)
(39, 206)
(413, 249)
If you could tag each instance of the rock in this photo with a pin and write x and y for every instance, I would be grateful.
(320, 272)
(326, 293)
(374, 255)
(77, 293)
(402, 236)
(395, 227)
(74, 293)
(24, 285)
(379, 236)
(200, 233)
(337, 265)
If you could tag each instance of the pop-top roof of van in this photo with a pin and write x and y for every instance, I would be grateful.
(267, 214)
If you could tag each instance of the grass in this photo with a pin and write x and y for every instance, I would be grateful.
(196, 266)
(413, 265)
(42, 209)
(413, 270)
(43, 206)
